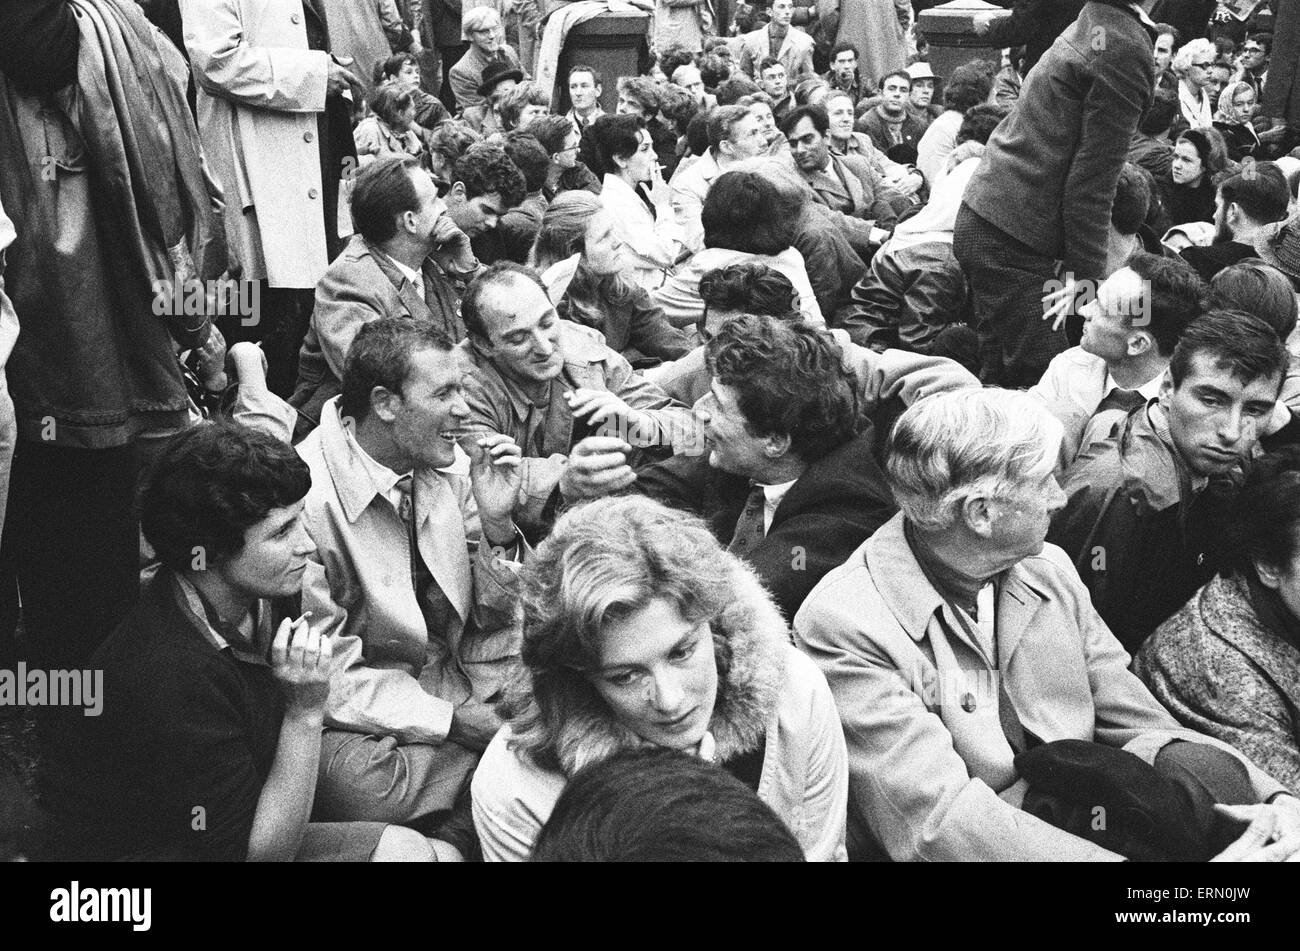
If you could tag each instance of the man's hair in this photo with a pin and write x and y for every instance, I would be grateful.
(1257, 288)
(697, 132)
(471, 307)
(969, 85)
(563, 230)
(383, 190)
(896, 74)
(1241, 343)
(767, 63)
(596, 79)
(743, 211)
(451, 139)
(381, 355)
(529, 157)
(1266, 513)
(486, 169)
(737, 87)
(551, 131)
(821, 122)
(714, 70)
(950, 447)
(843, 46)
(1159, 115)
(677, 105)
(644, 90)
(1168, 29)
(721, 121)
(1261, 191)
(210, 485)
(789, 381)
(611, 137)
(750, 287)
(1174, 296)
(1263, 39)
(477, 18)
(393, 64)
(661, 805)
(388, 103)
(1132, 199)
(979, 122)
(511, 103)
(675, 56)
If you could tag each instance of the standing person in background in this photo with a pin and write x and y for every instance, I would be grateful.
(101, 221)
(968, 86)
(585, 88)
(682, 23)
(487, 45)
(877, 29)
(276, 132)
(792, 46)
(1043, 191)
(443, 29)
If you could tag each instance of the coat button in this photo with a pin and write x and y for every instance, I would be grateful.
(295, 18)
(308, 136)
(968, 702)
(312, 193)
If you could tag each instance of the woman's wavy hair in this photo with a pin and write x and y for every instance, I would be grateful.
(388, 103)
(603, 562)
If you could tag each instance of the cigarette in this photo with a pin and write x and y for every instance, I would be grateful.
(305, 616)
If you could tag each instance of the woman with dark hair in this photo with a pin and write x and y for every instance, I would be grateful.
(1228, 663)
(639, 629)
(1187, 192)
(745, 218)
(563, 143)
(389, 129)
(446, 146)
(601, 293)
(635, 194)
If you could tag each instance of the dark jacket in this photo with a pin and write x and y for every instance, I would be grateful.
(1151, 153)
(1181, 204)
(102, 220)
(1048, 175)
(1212, 259)
(834, 267)
(1142, 540)
(183, 726)
(632, 323)
(1033, 24)
(912, 128)
(836, 505)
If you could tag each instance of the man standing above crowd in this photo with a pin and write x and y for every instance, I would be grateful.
(792, 46)
(585, 88)
(276, 131)
(1043, 191)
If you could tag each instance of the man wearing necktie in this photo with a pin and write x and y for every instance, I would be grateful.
(1130, 329)
(413, 577)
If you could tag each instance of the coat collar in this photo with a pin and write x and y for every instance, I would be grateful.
(757, 636)
(913, 601)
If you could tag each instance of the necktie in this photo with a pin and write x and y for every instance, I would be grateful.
(1120, 399)
(749, 531)
(434, 605)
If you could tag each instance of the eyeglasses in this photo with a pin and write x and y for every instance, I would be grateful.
(1204, 65)
(1252, 49)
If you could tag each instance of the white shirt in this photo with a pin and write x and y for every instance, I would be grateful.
(384, 478)
(772, 496)
(415, 277)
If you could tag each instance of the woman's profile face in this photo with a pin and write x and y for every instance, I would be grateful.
(658, 673)
(1187, 167)
(604, 248)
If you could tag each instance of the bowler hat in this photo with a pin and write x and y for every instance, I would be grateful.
(498, 71)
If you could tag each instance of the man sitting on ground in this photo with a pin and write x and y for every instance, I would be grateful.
(1244, 207)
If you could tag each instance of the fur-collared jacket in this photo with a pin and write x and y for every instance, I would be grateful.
(771, 694)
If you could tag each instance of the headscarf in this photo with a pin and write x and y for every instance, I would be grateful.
(1224, 112)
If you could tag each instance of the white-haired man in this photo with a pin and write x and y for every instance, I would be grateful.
(955, 642)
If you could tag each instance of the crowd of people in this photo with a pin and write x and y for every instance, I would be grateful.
(786, 451)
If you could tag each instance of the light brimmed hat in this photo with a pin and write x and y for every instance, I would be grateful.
(921, 70)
